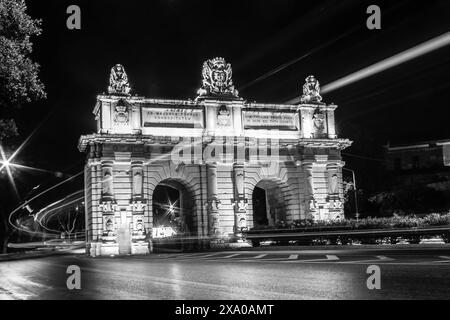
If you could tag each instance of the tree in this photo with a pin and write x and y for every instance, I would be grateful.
(19, 81)
(409, 200)
(70, 222)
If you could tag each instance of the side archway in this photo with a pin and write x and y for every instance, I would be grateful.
(272, 197)
(268, 203)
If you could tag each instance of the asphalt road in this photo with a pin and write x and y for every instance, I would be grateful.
(271, 275)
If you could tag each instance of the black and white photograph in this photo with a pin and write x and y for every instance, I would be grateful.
(224, 157)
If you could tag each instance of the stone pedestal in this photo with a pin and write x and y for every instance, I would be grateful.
(140, 248)
(109, 249)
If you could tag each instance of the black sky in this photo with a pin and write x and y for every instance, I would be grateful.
(162, 45)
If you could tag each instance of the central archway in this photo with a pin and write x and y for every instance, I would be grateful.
(173, 210)
(268, 204)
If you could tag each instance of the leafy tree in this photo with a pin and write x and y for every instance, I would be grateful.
(19, 81)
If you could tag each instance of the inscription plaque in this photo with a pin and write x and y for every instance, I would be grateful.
(271, 120)
(174, 117)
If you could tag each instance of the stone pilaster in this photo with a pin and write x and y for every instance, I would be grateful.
(137, 173)
(332, 180)
(107, 202)
(331, 125)
(109, 226)
(107, 180)
(213, 201)
(240, 202)
(335, 201)
(309, 189)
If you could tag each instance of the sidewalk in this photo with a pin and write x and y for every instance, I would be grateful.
(35, 254)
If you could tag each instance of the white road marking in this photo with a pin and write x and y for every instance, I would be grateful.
(328, 258)
(209, 255)
(384, 258)
(447, 259)
(230, 256)
(193, 257)
(293, 258)
(378, 258)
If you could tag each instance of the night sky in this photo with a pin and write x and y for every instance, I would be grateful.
(162, 45)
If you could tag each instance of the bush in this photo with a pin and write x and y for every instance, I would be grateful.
(396, 222)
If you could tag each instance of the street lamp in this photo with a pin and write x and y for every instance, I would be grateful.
(5, 163)
(354, 192)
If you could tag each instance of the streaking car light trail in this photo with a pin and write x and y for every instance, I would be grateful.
(47, 213)
(28, 202)
(412, 53)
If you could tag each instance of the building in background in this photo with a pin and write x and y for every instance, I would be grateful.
(421, 163)
(206, 168)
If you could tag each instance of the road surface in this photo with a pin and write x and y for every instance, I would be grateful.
(269, 275)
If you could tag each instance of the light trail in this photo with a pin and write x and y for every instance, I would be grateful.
(27, 202)
(48, 212)
(405, 56)
(294, 61)
(21, 166)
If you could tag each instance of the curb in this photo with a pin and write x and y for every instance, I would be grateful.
(32, 255)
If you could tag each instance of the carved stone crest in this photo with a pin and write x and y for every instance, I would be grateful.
(334, 184)
(319, 121)
(214, 223)
(312, 205)
(241, 220)
(335, 204)
(223, 117)
(217, 78)
(121, 113)
(311, 91)
(118, 81)
(214, 204)
(138, 206)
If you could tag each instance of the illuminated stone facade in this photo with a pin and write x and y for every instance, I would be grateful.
(215, 150)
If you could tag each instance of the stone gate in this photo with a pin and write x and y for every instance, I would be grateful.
(232, 164)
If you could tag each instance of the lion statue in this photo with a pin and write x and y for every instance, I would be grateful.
(118, 81)
(311, 90)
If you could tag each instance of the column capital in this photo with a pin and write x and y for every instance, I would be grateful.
(238, 165)
(307, 163)
(211, 164)
(336, 163)
(107, 162)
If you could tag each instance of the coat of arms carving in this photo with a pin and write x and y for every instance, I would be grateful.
(319, 121)
(223, 117)
(217, 78)
(121, 113)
